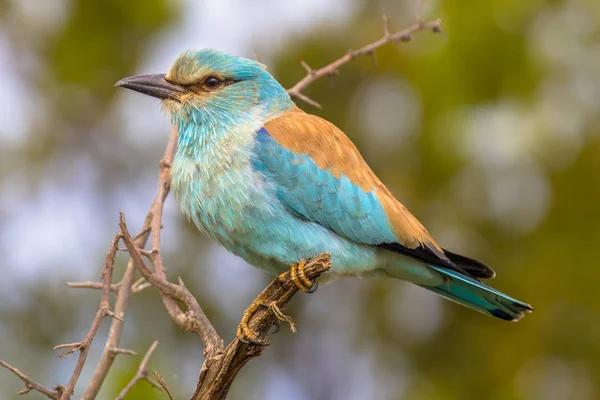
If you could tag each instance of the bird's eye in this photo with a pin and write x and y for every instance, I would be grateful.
(212, 82)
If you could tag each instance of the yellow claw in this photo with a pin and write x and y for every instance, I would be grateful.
(244, 333)
(299, 279)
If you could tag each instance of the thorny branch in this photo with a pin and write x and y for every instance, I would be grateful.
(193, 318)
(332, 68)
(103, 311)
(141, 374)
(221, 363)
(64, 392)
(30, 384)
(125, 288)
(219, 370)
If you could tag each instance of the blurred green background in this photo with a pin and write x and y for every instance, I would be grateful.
(490, 136)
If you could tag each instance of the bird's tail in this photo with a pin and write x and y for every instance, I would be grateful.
(478, 296)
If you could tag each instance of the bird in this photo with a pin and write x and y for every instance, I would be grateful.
(277, 186)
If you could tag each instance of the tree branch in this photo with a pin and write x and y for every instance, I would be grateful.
(103, 311)
(91, 285)
(193, 318)
(125, 286)
(331, 69)
(137, 287)
(30, 384)
(219, 371)
(141, 374)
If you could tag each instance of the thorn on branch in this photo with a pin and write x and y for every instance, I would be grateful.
(374, 59)
(386, 26)
(141, 287)
(332, 74)
(305, 99)
(143, 232)
(149, 254)
(71, 348)
(350, 55)
(436, 27)
(164, 164)
(110, 313)
(164, 385)
(309, 70)
(91, 285)
(25, 390)
(118, 350)
(405, 38)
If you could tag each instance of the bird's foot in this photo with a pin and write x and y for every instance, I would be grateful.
(244, 332)
(299, 279)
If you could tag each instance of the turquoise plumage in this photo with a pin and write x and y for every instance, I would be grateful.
(315, 194)
(275, 185)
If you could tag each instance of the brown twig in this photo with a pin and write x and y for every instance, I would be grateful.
(368, 50)
(164, 385)
(193, 318)
(91, 285)
(218, 372)
(141, 374)
(137, 287)
(125, 286)
(103, 311)
(30, 384)
(118, 350)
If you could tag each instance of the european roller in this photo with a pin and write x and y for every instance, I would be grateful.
(276, 185)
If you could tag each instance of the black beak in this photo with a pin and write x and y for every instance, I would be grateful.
(154, 85)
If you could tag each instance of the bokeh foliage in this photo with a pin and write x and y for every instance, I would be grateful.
(489, 135)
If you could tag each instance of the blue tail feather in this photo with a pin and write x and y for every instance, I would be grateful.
(478, 296)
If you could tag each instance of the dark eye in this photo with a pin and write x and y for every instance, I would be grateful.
(212, 82)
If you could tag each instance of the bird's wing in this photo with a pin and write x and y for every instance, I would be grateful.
(321, 176)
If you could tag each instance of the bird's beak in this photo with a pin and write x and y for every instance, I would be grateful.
(154, 85)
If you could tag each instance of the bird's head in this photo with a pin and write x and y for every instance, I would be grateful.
(210, 87)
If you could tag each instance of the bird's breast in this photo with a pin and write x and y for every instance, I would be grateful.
(220, 191)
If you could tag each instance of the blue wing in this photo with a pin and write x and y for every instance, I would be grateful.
(319, 175)
(316, 194)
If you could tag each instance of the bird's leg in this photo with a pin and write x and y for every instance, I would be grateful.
(299, 279)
